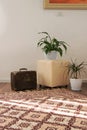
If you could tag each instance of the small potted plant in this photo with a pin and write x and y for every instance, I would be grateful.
(75, 71)
(51, 46)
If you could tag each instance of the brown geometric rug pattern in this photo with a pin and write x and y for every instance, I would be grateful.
(56, 109)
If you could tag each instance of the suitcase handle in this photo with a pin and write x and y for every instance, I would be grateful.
(23, 69)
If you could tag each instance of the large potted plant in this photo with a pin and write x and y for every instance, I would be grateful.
(75, 71)
(51, 46)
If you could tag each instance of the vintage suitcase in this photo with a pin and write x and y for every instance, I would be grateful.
(23, 80)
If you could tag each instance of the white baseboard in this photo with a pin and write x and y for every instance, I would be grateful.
(4, 81)
(8, 81)
(84, 80)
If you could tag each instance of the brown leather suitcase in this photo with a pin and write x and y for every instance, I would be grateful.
(23, 80)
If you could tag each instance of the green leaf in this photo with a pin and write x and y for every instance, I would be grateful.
(49, 44)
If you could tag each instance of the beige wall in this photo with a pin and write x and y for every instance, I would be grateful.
(20, 22)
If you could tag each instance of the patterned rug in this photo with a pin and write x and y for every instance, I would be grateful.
(56, 109)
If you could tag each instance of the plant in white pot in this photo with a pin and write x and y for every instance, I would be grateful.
(51, 46)
(75, 71)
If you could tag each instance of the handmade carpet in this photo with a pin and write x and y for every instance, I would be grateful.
(56, 109)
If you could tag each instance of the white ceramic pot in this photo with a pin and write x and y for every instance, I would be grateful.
(76, 84)
(51, 56)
